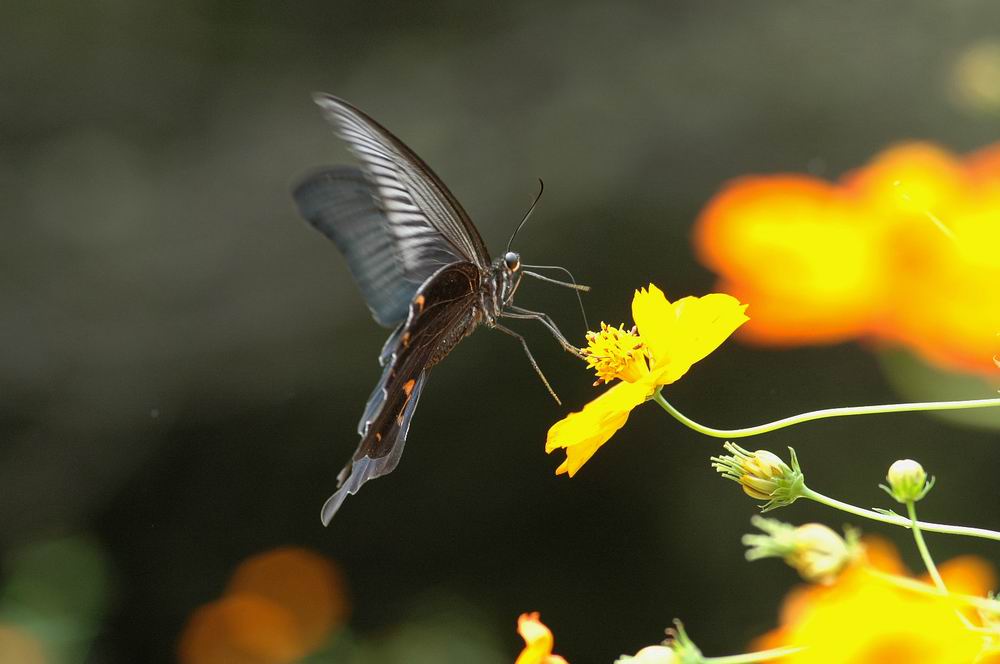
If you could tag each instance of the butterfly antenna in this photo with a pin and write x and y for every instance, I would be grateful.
(575, 286)
(538, 196)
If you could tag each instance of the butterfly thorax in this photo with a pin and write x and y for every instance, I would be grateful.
(496, 291)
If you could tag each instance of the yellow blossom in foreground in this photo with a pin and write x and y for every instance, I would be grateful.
(537, 641)
(667, 339)
(865, 617)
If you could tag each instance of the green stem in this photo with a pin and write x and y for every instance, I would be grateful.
(974, 601)
(821, 414)
(899, 520)
(918, 537)
(761, 656)
(925, 554)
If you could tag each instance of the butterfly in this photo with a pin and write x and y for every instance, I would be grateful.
(421, 266)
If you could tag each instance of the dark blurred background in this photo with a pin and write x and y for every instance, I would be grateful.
(183, 360)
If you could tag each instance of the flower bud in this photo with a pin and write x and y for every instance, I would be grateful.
(820, 553)
(817, 552)
(762, 474)
(762, 468)
(907, 481)
(651, 655)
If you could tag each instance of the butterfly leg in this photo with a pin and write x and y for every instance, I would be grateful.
(531, 359)
(546, 320)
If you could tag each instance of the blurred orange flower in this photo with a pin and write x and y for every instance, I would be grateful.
(905, 250)
(865, 618)
(279, 606)
(538, 641)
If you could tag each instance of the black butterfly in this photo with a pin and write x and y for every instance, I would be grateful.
(421, 266)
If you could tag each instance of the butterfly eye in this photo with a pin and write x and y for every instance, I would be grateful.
(513, 260)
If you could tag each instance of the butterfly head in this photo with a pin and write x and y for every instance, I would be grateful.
(502, 280)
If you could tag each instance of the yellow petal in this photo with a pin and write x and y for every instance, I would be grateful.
(537, 641)
(654, 316)
(703, 323)
(686, 331)
(582, 433)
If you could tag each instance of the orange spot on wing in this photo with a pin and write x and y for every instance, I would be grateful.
(408, 389)
(419, 301)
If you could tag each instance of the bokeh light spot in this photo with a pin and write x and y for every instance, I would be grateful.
(976, 77)
(242, 629)
(279, 607)
(308, 585)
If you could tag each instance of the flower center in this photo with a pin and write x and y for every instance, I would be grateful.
(615, 352)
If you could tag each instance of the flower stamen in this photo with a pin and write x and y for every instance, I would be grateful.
(615, 352)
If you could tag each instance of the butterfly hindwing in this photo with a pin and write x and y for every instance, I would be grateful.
(441, 313)
(341, 203)
(359, 471)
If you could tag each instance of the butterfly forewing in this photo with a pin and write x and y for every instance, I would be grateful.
(413, 197)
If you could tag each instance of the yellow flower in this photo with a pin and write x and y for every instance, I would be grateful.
(537, 641)
(667, 339)
(864, 617)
